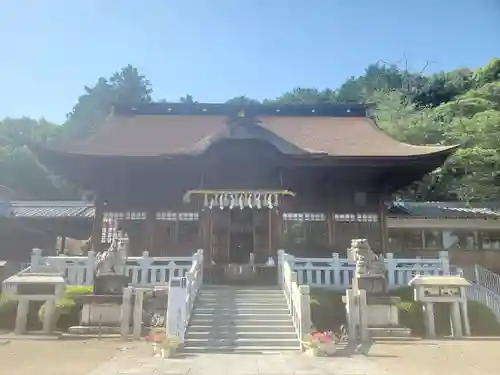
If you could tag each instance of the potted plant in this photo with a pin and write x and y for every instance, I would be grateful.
(321, 344)
(163, 344)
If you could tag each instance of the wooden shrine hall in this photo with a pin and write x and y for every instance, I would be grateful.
(240, 180)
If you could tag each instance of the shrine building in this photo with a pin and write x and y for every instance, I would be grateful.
(236, 180)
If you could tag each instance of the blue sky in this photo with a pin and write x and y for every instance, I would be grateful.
(217, 49)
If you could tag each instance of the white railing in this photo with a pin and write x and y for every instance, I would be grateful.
(487, 279)
(485, 296)
(143, 271)
(194, 281)
(182, 295)
(297, 296)
(337, 273)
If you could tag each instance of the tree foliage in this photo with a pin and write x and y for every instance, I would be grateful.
(457, 107)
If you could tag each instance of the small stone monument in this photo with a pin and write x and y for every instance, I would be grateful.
(30, 286)
(443, 289)
(102, 310)
(382, 315)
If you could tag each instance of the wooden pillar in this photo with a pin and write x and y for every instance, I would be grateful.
(384, 231)
(149, 230)
(98, 218)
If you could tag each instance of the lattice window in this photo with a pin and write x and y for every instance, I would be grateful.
(306, 216)
(171, 216)
(350, 218)
(129, 215)
(308, 228)
(367, 218)
(346, 218)
(181, 216)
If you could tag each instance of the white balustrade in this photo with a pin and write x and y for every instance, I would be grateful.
(143, 271)
(484, 296)
(297, 296)
(337, 273)
(487, 278)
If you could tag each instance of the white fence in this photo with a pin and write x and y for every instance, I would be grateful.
(143, 271)
(297, 296)
(487, 279)
(485, 296)
(334, 272)
(337, 273)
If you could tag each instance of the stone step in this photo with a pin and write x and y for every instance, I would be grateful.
(219, 318)
(293, 343)
(243, 304)
(240, 320)
(268, 293)
(241, 310)
(222, 335)
(286, 327)
(240, 349)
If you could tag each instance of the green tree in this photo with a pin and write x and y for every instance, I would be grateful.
(127, 88)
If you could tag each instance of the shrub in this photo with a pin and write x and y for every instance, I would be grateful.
(328, 313)
(67, 311)
(327, 310)
(8, 308)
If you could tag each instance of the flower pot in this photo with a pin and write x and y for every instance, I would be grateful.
(313, 352)
(328, 349)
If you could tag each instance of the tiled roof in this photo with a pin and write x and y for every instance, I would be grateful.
(445, 209)
(49, 209)
(172, 134)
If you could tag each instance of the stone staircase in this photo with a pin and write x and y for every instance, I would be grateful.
(240, 319)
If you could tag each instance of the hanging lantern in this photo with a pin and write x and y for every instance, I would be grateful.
(258, 202)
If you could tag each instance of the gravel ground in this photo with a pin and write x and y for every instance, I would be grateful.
(56, 357)
(421, 357)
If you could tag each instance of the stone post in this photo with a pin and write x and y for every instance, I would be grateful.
(281, 259)
(445, 262)
(305, 311)
(430, 326)
(465, 317)
(456, 321)
(176, 308)
(23, 305)
(89, 278)
(352, 320)
(49, 308)
(36, 259)
(364, 333)
(138, 305)
(126, 312)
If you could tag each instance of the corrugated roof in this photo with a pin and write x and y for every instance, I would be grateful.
(51, 209)
(446, 209)
(163, 135)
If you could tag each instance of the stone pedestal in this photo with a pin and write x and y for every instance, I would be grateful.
(109, 284)
(383, 311)
(373, 284)
(101, 310)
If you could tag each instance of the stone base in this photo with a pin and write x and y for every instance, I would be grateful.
(93, 330)
(389, 332)
(101, 310)
(373, 284)
(383, 311)
(110, 284)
